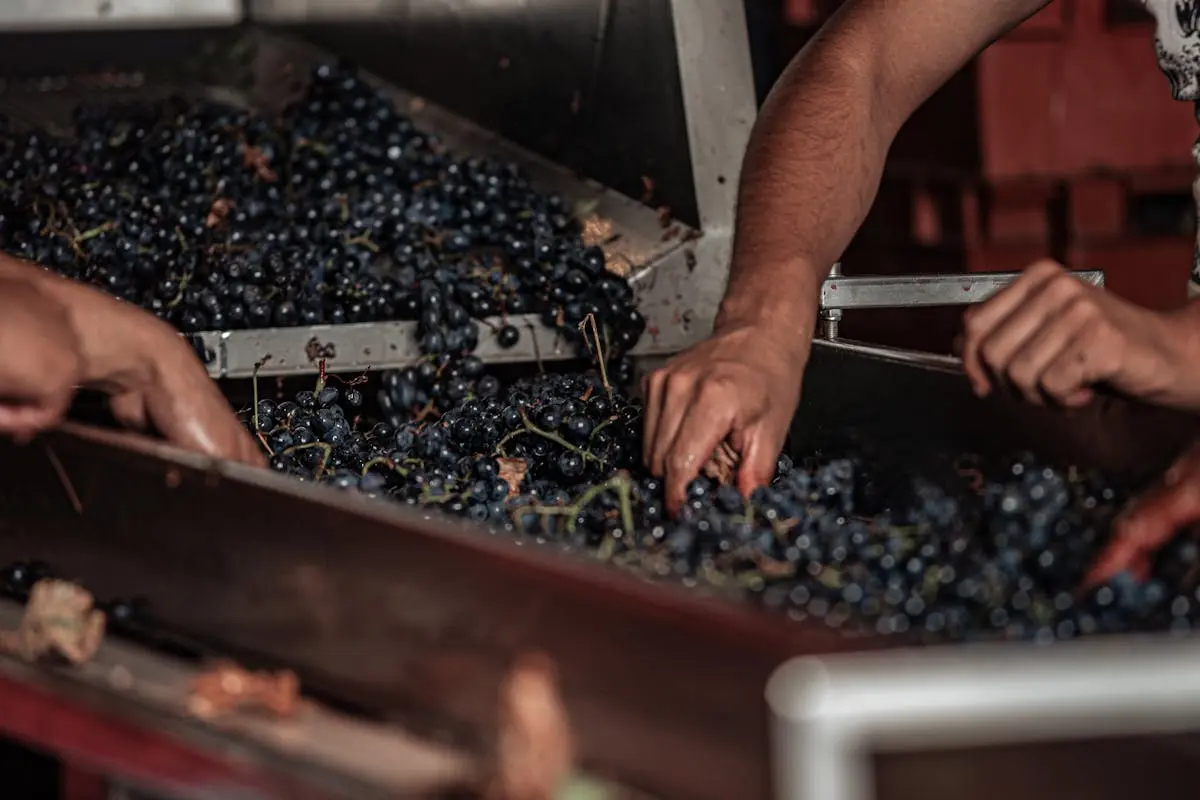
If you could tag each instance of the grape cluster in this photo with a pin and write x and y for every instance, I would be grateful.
(339, 211)
(997, 553)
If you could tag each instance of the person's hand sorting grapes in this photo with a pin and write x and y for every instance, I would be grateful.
(741, 386)
(1151, 522)
(58, 335)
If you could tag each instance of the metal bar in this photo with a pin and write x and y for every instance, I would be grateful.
(356, 347)
(913, 291)
(30, 15)
(831, 318)
(829, 714)
(717, 82)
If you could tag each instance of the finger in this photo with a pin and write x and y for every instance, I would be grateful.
(1033, 359)
(706, 424)
(1150, 524)
(23, 421)
(980, 320)
(677, 396)
(653, 392)
(1079, 399)
(1084, 361)
(760, 451)
(248, 449)
(130, 410)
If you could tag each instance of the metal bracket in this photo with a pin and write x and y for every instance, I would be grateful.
(830, 714)
(839, 292)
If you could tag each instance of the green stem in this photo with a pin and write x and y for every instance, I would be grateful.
(381, 461)
(619, 483)
(326, 454)
(591, 318)
(602, 426)
(321, 378)
(529, 427)
(363, 241)
(94, 232)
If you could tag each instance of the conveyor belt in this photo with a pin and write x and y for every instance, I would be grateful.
(262, 71)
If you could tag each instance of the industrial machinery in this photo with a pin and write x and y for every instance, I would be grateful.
(404, 628)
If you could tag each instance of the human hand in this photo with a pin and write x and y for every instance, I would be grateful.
(61, 334)
(741, 385)
(1151, 522)
(1052, 337)
(42, 361)
(177, 398)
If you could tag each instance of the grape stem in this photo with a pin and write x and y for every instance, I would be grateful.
(601, 426)
(321, 377)
(599, 349)
(619, 483)
(385, 462)
(529, 427)
(254, 384)
(363, 241)
(326, 454)
(92, 233)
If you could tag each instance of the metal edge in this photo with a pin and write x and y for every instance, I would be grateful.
(91, 14)
(828, 711)
(719, 100)
(340, 753)
(576, 566)
(717, 81)
(956, 289)
(362, 346)
(934, 361)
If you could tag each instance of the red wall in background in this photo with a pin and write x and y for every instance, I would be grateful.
(1053, 143)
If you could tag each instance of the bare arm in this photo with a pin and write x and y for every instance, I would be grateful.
(816, 154)
(810, 175)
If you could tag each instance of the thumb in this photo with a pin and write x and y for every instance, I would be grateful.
(1147, 527)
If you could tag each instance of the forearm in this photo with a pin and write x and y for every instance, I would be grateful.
(816, 155)
(809, 177)
(115, 339)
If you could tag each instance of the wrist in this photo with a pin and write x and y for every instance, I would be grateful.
(790, 313)
(1178, 340)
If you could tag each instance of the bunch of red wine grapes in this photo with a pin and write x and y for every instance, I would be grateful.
(341, 210)
(557, 459)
